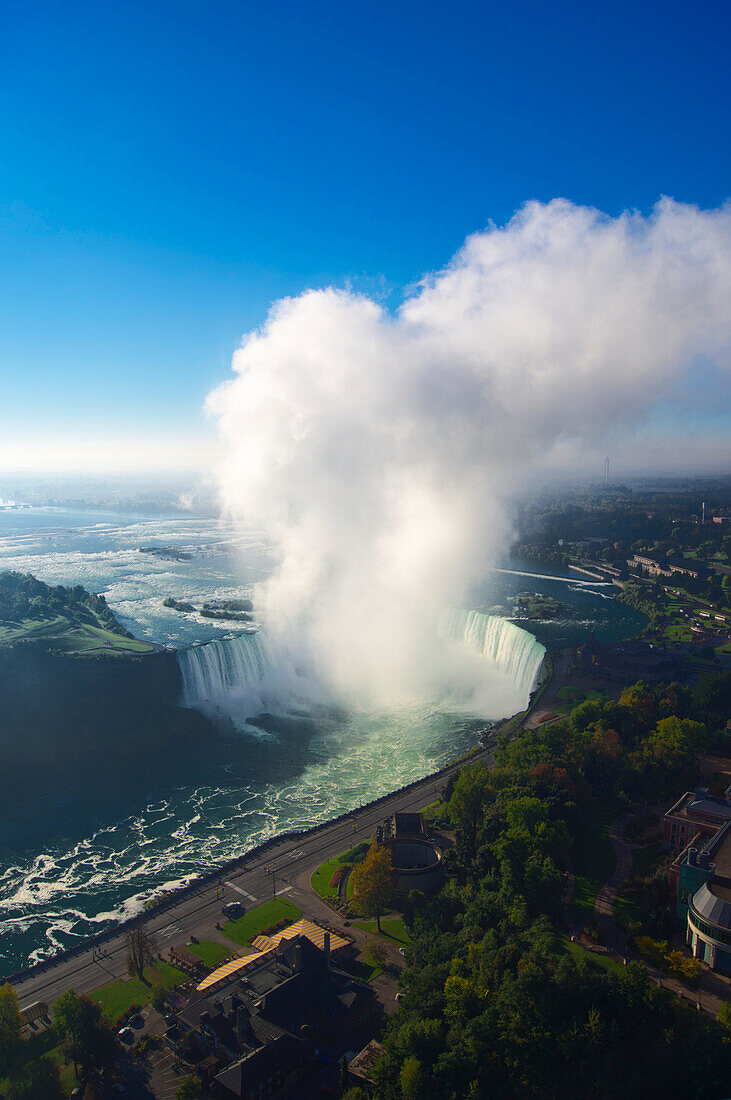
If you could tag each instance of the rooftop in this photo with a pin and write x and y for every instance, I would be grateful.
(265, 946)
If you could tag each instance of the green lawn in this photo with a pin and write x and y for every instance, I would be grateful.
(599, 962)
(391, 928)
(213, 954)
(593, 860)
(67, 637)
(253, 923)
(116, 997)
(322, 877)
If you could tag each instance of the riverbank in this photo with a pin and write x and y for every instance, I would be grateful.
(179, 904)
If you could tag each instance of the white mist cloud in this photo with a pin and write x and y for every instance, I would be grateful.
(378, 450)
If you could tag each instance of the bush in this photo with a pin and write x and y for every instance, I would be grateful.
(337, 876)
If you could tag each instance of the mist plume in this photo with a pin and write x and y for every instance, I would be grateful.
(379, 450)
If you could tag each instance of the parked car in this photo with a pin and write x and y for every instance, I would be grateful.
(136, 1021)
(126, 1035)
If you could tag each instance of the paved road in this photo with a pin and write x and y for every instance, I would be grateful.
(291, 860)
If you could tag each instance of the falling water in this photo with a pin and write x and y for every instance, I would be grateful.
(211, 672)
(504, 645)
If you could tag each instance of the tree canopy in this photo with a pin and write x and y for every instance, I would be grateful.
(372, 887)
(493, 1004)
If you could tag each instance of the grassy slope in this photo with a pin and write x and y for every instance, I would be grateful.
(66, 636)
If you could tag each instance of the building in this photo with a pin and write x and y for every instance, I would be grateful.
(416, 862)
(263, 1031)
(665, 568)
(704, 895)
(695, 816)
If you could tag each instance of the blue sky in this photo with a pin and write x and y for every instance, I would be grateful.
(171, 167)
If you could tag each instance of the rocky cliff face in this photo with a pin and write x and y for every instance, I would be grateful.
(61, 710)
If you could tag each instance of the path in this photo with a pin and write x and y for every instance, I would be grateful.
(605, 899)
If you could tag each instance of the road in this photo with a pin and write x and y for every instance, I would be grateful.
(252, 882)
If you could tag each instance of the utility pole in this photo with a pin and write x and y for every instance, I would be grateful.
(272, 871)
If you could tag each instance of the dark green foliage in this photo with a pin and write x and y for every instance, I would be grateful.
(492, 1005)
(11, 1023)
(87, 1038)
(23, 596)
(40, 1080)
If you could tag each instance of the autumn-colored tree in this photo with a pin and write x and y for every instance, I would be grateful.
(372, 887)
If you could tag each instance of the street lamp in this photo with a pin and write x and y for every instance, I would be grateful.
(272, 871)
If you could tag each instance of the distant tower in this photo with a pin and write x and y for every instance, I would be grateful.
(703, 512)
(606, 471)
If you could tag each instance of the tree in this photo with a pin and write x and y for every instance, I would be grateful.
(141, 951)
(11, 1024)
(159, 997)
(189, 1088)
(41, 1081)
(469, 796)
(410, 1079)
(87, 1038)
(372, 887)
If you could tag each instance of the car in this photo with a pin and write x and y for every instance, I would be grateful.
(136, 1021)
(119, 1089)
(126, 1035)
(401, 951)
(233, 909)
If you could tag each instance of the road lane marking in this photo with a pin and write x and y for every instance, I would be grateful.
(168, 931)
(244, 893)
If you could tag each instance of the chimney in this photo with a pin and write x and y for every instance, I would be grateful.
(692, 857)
(326, 949)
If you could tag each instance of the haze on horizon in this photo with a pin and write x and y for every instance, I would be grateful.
(173, 169)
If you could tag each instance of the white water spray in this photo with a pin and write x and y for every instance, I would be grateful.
(378, 450)
(246, 675)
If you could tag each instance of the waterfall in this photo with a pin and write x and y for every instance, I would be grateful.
(507, 647)
(212, 672)
(244, 675)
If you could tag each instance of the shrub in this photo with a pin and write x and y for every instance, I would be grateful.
(337, 876)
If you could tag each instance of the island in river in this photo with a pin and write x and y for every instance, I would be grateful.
(77, 686)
